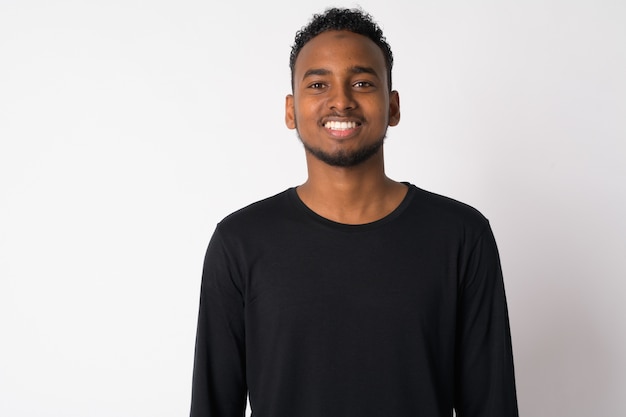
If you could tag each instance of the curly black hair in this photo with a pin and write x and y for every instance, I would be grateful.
(352, 20)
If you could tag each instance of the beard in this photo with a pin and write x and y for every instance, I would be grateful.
(342, 158)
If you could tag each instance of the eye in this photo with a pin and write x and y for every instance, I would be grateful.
(316, 85)
(363, 84)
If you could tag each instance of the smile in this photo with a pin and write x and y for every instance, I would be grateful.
(340, 125)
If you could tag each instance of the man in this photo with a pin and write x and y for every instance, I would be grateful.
(351, 294)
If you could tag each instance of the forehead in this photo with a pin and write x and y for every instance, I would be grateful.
(336, 49)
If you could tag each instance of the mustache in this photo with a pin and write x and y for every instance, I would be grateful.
(345, 116)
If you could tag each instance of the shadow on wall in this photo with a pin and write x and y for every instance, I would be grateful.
(566, 325)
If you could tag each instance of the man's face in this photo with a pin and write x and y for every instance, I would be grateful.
(341, 104)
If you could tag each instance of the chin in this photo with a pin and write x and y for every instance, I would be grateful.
(345, 159)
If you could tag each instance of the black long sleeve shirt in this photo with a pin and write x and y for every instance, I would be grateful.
(402, 317)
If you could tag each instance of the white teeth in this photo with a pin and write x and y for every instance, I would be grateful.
(340, 125)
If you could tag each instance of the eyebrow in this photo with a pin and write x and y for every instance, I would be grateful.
(356, 69)
(315, 71)
(363, 70)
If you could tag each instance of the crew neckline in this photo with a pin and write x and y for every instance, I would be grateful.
(295, 198)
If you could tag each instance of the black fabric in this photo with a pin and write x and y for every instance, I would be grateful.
(402, 317)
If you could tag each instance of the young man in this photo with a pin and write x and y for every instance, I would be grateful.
(351, 294)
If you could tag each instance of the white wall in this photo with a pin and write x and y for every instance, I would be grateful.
(129, 128)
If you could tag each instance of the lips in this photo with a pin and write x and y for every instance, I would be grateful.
(341, 127)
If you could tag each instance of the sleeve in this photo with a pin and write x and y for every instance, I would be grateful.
(219, 382)
(484, 376)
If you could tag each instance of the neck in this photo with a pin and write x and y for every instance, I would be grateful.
(352, 195)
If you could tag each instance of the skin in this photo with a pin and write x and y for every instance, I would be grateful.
(341, 76)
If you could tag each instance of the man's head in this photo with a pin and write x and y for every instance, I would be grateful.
(352, 20)
(341, 103)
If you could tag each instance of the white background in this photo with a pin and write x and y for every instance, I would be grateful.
(129, 128)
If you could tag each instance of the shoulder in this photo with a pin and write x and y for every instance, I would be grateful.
(259, 214)
(446, 206)
(445, 213)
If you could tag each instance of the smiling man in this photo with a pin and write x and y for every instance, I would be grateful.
(351, 294)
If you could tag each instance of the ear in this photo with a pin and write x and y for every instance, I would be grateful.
(394, 108)
(290, 112)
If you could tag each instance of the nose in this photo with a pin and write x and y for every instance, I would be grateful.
(342, 98)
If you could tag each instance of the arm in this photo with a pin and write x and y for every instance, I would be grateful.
(219, 383)
(484, 377)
